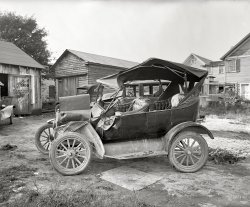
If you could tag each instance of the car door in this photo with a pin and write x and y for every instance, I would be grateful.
(132, 126)
(158, 122)
(141, 125)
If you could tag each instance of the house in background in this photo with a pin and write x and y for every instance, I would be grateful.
(200, 62)
(228, 77)
(196, 61)
(237, 67)
(75, 69)
(21, 78)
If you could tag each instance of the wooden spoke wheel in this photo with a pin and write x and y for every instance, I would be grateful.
(44, 137)
(188, 152)
(70, 153)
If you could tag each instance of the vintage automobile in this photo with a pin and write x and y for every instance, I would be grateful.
(45, 134)
(136, 126)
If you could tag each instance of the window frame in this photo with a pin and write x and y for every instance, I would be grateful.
(231, 66)
(241, 89)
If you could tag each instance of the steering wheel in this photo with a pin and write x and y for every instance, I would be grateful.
(131, 105)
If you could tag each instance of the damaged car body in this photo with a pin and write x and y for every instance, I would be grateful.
(141, 123)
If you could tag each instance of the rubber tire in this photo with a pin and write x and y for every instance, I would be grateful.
(37, 138)
(53, 148)
(204, 149)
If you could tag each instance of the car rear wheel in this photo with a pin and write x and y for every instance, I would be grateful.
(188, 152)
(43, 138)
(70, 153)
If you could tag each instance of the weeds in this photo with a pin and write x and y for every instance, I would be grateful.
(10, 179)
(82, 198)
(240, 111)
(8, 147)
(222, 156)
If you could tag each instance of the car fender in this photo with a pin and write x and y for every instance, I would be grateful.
(185, 126)
(86, 129)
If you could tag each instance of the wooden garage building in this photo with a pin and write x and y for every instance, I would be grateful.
(74, 69)
(21, 78)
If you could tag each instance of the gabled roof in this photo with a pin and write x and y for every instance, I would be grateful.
(13, 55)
(205, 60)
(235, 47)
(99, 59)
(202, 59)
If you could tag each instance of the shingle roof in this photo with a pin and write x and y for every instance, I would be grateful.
(236, 46)
(99, 59)
(11, 54)
(205, 60)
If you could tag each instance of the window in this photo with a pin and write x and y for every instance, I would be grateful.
(132, 91)
(221, 69)
(231, 66)
(193, 61)
(245, 90)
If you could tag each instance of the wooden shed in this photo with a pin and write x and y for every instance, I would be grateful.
(21, 78)
(75, 69)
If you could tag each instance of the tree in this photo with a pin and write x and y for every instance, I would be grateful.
(25, 33)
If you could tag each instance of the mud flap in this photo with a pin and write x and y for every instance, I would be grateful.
(86, 129)
(185, 126)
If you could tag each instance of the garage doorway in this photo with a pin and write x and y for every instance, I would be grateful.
(4, 80)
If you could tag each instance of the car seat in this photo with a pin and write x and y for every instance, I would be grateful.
(137, 105)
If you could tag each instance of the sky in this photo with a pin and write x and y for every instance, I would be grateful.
(139, 29)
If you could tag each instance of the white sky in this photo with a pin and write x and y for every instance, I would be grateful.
(137, 30)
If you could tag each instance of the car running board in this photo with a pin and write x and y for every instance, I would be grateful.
(137, 155)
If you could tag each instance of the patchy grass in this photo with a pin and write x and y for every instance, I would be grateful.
(231, 135)
(238, 111)
(222, 156)
(10, 180)
(81, 198)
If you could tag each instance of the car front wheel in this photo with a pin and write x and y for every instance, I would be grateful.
(188, 152)
(70, 153)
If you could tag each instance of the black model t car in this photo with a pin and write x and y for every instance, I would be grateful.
(157, 118)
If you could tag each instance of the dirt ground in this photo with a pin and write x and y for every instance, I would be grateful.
(23, 167)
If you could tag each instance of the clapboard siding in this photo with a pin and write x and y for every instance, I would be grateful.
(244, 75)
(220, 77)
(70, 65)
(76, 69)
(82, 81)
(99, 71)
